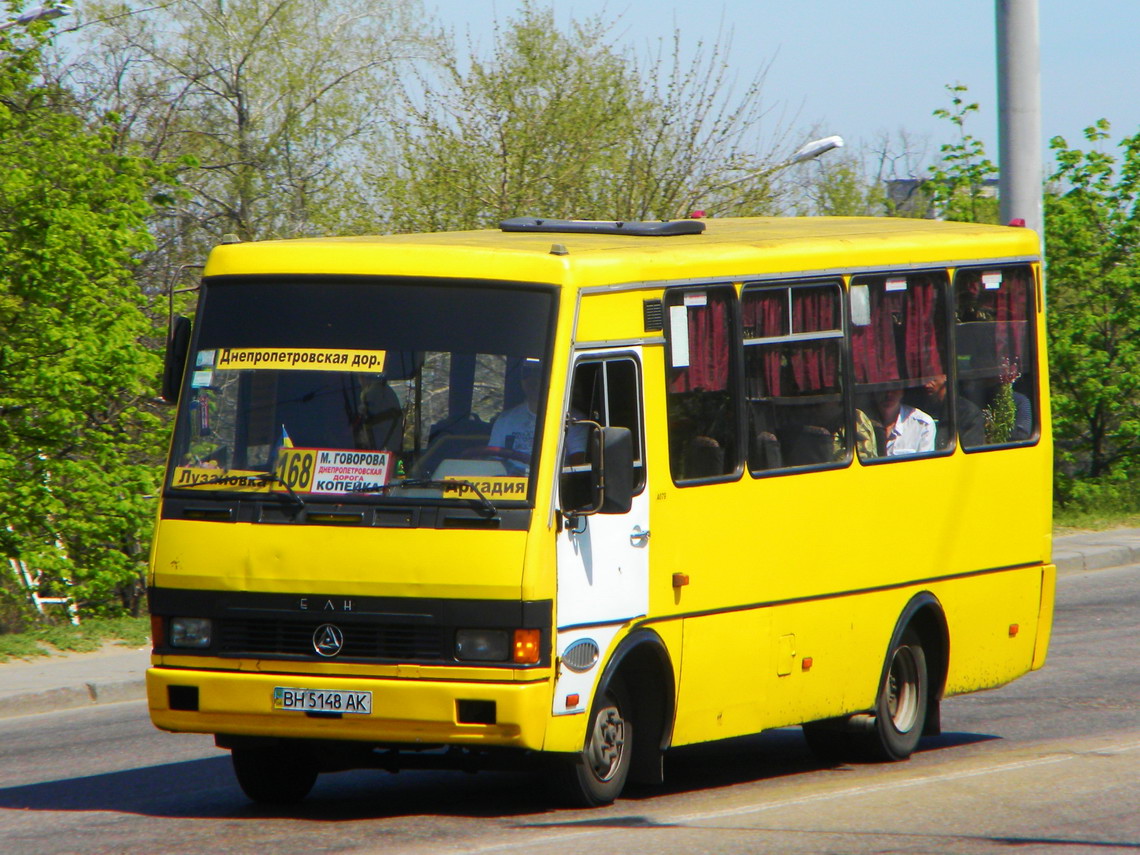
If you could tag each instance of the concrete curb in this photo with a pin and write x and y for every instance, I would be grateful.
(1079, 553)
(72, 697)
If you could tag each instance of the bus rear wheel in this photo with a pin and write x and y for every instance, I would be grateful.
(900, 709)
(274, 776)
(598, 775)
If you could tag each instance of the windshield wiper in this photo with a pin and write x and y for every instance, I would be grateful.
(273, 477)
(450, 484)
(260, 477)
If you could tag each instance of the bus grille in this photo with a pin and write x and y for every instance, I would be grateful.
(269, 637)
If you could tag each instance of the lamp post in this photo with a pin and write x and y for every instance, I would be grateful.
(808, 151)
(1019, 116)
(40, 13)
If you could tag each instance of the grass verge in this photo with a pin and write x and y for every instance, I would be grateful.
(89, 635)
(1073, 521)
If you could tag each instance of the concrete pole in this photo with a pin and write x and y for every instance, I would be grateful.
(1019, 116)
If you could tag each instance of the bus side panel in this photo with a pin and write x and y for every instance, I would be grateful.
(993, 625)
(746, 671)
(825, 561)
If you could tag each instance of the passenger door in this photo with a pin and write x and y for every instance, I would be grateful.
(603, 560)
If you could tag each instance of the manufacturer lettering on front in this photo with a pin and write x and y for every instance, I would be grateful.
(306, 604)
(328, 640)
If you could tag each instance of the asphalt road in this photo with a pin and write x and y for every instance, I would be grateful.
(1050, 764)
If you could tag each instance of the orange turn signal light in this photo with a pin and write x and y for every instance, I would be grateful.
(1014, 629)
(526, 646)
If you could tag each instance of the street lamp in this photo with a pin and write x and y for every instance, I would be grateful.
(813, 149)
(808, 151)
(40, 13)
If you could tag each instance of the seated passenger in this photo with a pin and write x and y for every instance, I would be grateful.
(866, 443)
(971, 424)
(908, 430)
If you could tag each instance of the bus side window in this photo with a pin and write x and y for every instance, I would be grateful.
(898, 352)
(702, 399)
(607, 392)
(995, 350)
(793, 347)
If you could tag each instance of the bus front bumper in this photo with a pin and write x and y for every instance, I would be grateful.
(413, 712)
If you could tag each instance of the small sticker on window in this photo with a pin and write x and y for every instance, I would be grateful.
(992, 281)
(201, 379)
(860, 306)
(205, 358)
(679, 333)
(896, 283)
(698, 299)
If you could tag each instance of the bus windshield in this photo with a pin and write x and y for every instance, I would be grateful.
(364, 389)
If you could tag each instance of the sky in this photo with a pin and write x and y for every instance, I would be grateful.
(862, 68)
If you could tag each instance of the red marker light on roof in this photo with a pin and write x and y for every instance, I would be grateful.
(1017, 223)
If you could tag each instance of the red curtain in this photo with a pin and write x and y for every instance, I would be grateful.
(765, 315)
(873, 352)
(710, 335)
(923, 354)
(905, 319)
(815, 365)
(1011, 312)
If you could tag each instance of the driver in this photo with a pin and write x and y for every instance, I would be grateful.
(514, 428)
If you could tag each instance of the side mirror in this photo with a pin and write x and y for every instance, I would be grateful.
(177, 345)
(603, 484)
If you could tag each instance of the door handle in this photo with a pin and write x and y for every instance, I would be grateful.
(639, 537)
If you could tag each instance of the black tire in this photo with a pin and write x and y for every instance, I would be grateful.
(274, 776)
(597, 777)
(900, 708)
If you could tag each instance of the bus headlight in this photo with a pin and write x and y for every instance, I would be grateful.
(482, 645)
(191, 632)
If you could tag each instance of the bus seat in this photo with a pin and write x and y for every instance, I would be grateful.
(813, 444)
(704, 458)
(765, 452)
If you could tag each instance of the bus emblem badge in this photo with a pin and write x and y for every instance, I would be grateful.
(328, 640)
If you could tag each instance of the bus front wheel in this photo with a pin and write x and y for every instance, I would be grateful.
(598, 775)
(900, 710)
(275, 776)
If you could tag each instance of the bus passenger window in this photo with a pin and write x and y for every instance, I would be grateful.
(793, 337)
(995, 345)
(702, 401)
(898, 351)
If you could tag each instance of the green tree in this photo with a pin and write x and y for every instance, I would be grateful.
(263, 106)
(957, 185)
(565, 124)
(1093, 251)
(841, 187)
(78, 438)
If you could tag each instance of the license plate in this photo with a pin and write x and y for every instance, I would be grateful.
(320, 700)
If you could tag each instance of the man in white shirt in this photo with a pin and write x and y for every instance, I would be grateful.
(908, 430)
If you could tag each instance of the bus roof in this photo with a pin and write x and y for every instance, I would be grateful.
(727, 248)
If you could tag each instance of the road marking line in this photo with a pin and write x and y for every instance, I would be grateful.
(613, 824)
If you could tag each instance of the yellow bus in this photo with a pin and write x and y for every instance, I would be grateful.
(574, 493)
